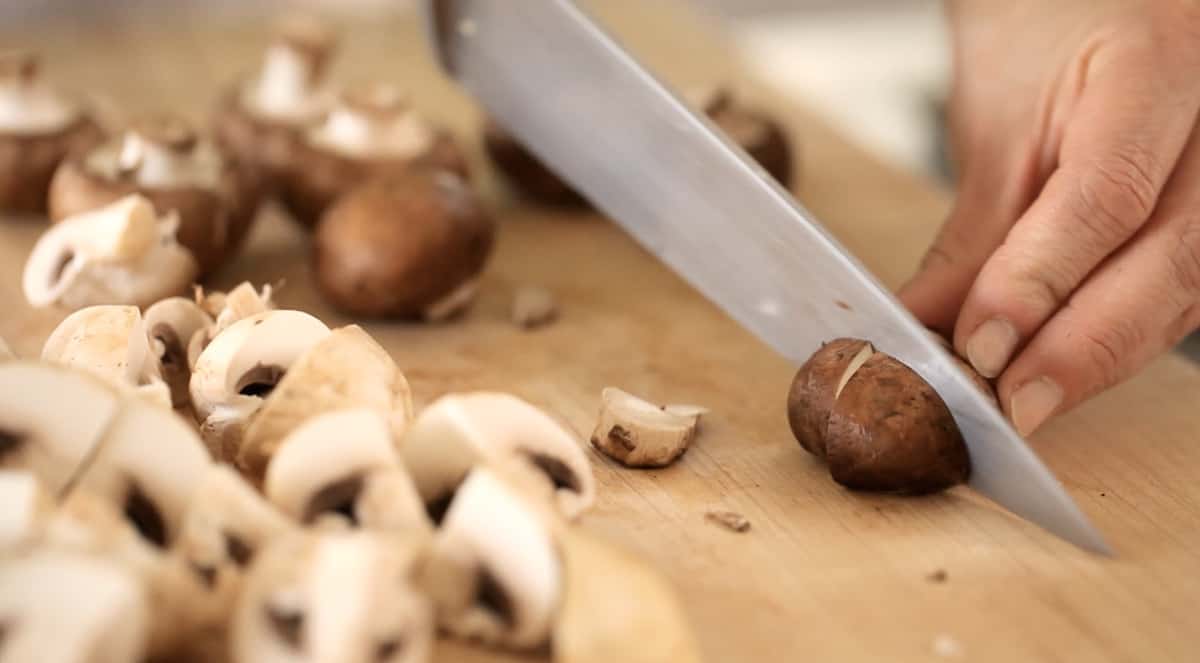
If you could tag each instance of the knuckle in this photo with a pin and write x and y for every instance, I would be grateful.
(1107, 348)
(1184, 263)
(1039, 284)
(1119, 196)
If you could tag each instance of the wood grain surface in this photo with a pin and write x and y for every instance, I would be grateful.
(822, 574)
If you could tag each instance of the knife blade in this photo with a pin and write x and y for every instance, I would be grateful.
(584, 106)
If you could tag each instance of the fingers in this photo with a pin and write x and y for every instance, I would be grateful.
(1118, 151)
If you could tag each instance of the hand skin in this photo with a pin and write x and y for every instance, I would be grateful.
(1071, 257)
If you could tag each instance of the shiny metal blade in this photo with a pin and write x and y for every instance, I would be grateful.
(566, 89)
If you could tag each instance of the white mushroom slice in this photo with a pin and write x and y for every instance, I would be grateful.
(117, 254)
(333, 598)
(617, 608)
(26, 506)
(374, 122)
(533, 307)
(110, 342)
(171, 323)
(34, 433)
(345, 463)
(346, 369)
(66, 608)
(6, 353)
(225, 309)
(460, 431)
(640, 434)
(243, 364)
(493, 572)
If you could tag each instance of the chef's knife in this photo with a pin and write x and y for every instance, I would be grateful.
(548, 73)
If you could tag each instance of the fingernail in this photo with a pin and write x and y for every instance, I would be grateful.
(1033, 403)
(991, 346)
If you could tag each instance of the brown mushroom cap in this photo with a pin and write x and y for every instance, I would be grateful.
(759, 135)
(811, 396)
(525, 172)
(398, 245)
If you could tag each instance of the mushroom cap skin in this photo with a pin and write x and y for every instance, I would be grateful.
(60, 607)
(811, 396)
(27, 506)
(333, 598)
(171, 323)
(402, 246)
(34, 434)
(638, 433)
(460, 431)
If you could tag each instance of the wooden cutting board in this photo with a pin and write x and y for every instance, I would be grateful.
(823, 574)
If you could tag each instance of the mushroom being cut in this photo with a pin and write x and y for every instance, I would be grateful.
(241, 366)
(171, 323)
(411, 245)
(758, 134)
(111, 342)
(163, 159)
(333, 598)
(27, 506)
(342, 370)
(59, 607)
(121, 253)
(39, 127)
(371, 131)
(226, 308)
(638, 433)
(34, 434)
(345, 463)
(262, 118)
(461, 431)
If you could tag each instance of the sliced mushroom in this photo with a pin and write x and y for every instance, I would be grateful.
(493, 571)
(39, 127)
(640, 434)
(345, 369)
(27, 505)
(241, 366)
(225, 309)
(110, 342)
(333, 598)
(117, 254)
(617, 608)
(58, 607)
(344, 463)
(34, 433)
(461, 431)
(171, 323)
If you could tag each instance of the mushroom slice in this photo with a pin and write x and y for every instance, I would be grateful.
(493, 571)
(640, 434)
(59, 607)
(226, 309)
(34, 434)
(241, 366)
(617, 608)
(111, 342)
(344, 597)
(27, 505)
(171, 323)
(460, 431)
(117, 254)
(345, 369)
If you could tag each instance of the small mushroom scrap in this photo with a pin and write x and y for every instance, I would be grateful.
(371, 131)
(171, 324)
(638, 433)
(533, 307)
(27, 506)
(39, 127)
(410, 245)
(226, 308)
(163, 159)
(344, 598)
(461, 431)
(117, 254)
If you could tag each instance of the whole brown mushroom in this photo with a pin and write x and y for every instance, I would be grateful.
(409, 245)
(163, 159)
(38, 129)
(370, 132)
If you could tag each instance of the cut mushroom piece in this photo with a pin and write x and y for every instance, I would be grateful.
(617, 608)
(241, 366)
(640, 434)
(117, 254)
(344, 369)
(533, 307)
(225, 309)
(34, 433)
(58, 607)
(27, 505)
(344, 597)
(344, 463)
(460, 431)
(110, 342)
(493, 571)
(171, 323)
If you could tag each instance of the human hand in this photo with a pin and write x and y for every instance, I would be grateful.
(1072, 255)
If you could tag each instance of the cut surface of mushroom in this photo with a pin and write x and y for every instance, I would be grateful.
(159, 153)
(241, 366)
(374, 122)
(118, 254)
(26, 507)
(27, 104)
(171, 323)
(59, 607)
(226, 308)
(344, 369)
(34, 434)
(460, 431)
(333, 598)
(289, 88)
(533, 307)
(638, 433)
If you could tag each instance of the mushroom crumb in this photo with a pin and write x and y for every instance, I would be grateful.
(533, 307)
(938, 576)
(730, 520)
(947, 646)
